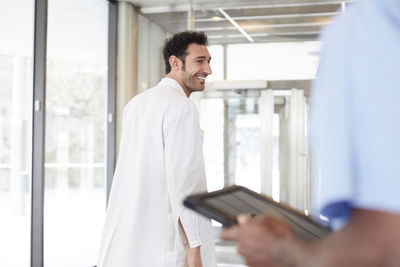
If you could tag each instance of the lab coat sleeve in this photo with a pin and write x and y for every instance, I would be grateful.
(184, 166)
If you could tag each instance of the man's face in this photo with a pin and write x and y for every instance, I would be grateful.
(195, 69)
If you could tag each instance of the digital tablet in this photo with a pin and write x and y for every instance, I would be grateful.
(225, 205)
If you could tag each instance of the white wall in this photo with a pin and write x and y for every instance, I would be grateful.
(150, 60)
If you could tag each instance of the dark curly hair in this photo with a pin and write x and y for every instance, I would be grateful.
(178, 43)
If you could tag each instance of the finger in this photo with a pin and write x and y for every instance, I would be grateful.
(276, 225)
(229, 233)
(244, 219)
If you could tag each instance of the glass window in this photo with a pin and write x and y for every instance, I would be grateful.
(16, 48)
(75, 160)
(217, 62)
(273, 61)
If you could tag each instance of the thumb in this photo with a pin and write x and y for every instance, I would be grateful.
(244, 219)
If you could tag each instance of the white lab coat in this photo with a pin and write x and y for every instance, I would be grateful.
(160, 163)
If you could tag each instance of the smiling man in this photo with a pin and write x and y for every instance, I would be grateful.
(161, 162)
(190, 67)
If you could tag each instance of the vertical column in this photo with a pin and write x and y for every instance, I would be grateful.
(190, 18)
(225, 49)
(226, 143)
(127, 60)
(144, 65)
(266, 105)
(111, 94)
(38, 135)
(293, 150)
(229, 142)
(307, 158)
(284, 155)
(297, 165)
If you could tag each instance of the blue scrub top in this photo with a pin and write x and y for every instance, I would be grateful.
(355, 111)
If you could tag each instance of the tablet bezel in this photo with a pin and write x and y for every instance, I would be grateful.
(198, 204)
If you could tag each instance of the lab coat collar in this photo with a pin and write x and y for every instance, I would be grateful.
(173, 83)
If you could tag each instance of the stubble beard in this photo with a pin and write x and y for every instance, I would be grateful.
(188, 80)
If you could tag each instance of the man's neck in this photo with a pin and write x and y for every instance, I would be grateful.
(175, 77)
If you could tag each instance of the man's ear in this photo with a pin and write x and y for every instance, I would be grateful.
(174, 62)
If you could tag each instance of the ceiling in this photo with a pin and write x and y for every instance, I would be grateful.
(264, 21)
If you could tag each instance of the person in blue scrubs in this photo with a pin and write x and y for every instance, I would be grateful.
(355, 125)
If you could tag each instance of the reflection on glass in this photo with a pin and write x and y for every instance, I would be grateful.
(75, 192)
(15, 131)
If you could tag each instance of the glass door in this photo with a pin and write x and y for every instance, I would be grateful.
(258, 138)
(16, 86)
(75, 152)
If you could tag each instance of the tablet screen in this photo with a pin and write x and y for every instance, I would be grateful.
(240, 202)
